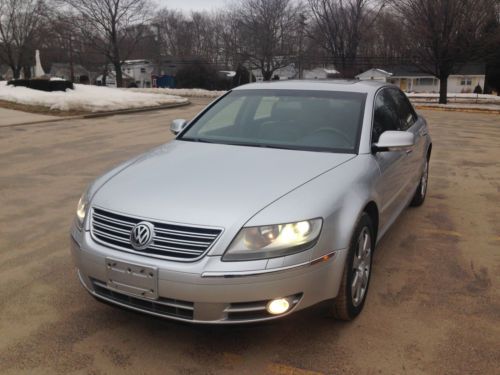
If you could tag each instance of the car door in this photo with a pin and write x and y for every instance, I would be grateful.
(409, 121)
(394, 165)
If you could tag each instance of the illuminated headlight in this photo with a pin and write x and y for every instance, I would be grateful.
(81, 210)
(271, 241)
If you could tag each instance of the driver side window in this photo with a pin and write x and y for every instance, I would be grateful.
(385, 115)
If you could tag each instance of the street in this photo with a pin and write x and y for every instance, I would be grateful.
(433, 306)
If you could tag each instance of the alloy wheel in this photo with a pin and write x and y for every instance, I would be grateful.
(425, 177)
(361, 267)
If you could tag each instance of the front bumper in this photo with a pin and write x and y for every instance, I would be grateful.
(208, 291)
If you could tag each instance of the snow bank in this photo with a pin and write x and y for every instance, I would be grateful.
(198, 93)
(453, 95)
(85, 98)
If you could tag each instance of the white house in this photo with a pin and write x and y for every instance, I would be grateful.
(410, 79)
(287, 72)
(140, 70)
(320, 73)
(135, 73)
(63, 70)
(373, 74)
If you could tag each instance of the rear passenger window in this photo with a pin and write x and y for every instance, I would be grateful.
(386, 115)
(405, 112)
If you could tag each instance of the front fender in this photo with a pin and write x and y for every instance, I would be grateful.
(338, 196)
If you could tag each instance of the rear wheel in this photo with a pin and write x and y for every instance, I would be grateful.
(356, 279)
(421, 192)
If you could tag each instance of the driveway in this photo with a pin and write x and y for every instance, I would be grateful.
(12, 117)
(433, 305)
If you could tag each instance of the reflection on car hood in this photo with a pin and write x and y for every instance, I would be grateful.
(210, 184)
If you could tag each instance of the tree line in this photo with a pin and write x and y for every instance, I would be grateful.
(437, 36)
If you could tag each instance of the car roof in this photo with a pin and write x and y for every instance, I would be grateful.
(320, 85)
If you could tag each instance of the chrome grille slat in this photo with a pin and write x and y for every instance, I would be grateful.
(120, 222)
(113, 229)
(182, 233)
(170, 241)
(174, 249)
(107, 235)
(182, 242)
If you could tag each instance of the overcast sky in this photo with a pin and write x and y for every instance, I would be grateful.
(188, 5)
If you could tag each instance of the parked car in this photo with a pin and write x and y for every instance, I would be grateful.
(269, 201)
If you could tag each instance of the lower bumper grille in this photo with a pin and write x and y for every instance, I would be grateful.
(167, 307)
(163, 306)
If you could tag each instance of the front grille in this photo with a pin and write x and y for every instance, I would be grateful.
(171, 241)
(162, 306)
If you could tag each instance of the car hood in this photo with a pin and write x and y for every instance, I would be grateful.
(210, 184)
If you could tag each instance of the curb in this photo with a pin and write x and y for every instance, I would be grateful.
(457, 109)
(134, 110)
(101, 114)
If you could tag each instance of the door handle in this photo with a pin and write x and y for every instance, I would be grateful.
(408, 152)
(423, 133)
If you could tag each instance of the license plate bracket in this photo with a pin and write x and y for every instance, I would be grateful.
(131, 278)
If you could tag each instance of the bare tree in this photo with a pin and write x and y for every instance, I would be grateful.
(341, 26)
(113, 27)
(268, 33)
(20, 21)
(444, 33)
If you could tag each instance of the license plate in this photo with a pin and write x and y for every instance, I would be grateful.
(132, 279)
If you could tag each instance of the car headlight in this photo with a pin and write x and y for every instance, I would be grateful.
(271, 241)
(81, 210)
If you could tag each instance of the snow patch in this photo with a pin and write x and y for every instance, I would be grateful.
(85, 98)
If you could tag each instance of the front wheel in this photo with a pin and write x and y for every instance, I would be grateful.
(354, 286)
(421, 192)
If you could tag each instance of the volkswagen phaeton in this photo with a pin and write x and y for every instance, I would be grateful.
(270, 200)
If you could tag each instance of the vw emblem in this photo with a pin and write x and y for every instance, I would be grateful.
(141, 235)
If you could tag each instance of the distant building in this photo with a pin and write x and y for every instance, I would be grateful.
(410, 78)
(378, 75)
(320, 73)
(63, 70)
(287, 72)
(5, 73)
(140, 71)
(111, 80)
(135, 73)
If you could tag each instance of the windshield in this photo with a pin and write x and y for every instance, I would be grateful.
(290, 119)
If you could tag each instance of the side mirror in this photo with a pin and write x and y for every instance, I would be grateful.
(391, 140)
(178, 125)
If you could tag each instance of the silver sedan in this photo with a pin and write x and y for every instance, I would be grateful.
(269, 201)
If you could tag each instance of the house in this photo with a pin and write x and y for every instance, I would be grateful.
(111, 80)
(410, 78)
(320, 73)
(373, 74)
(287, 72)
(63, 70)
(5, 73)
(140, 71)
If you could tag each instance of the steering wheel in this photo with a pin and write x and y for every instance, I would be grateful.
(344, 136)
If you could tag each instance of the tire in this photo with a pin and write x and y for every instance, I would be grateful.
(351, 299)
(419, 197)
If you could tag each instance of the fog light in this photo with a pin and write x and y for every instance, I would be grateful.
(278, 306)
